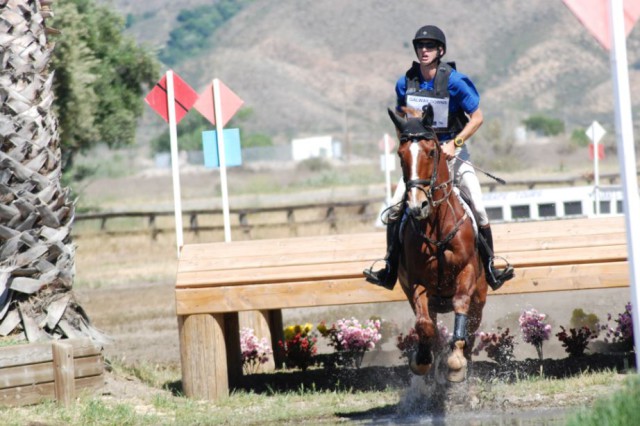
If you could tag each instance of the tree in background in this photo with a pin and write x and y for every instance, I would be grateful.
(37, 256)
(544, 125)
(100, 78)
(579, 137)
(195, 27)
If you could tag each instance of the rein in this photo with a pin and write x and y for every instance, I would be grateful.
(428, 188)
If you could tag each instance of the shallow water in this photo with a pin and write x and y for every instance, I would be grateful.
(539, 417)
(436, 403)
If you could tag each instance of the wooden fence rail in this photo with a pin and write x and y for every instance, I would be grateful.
(365, 210)
(361, 210)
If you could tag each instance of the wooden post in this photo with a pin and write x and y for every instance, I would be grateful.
(193, 223)
(153, 227)
(203, 356)
(63, 373)
(244, 223)
(331, 218)
(291, 220)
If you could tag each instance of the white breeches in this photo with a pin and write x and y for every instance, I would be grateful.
(465, 178)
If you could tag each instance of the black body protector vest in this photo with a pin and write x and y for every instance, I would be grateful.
(438, 98)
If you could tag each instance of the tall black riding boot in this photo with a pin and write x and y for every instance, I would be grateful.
(387, 276)
(495, 277)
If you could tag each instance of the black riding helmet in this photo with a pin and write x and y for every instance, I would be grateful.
(431, 32)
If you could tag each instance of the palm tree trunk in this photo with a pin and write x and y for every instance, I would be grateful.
(37, 256)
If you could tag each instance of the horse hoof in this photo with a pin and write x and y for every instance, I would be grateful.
(457, 363)
(418, 369)
(457, 376)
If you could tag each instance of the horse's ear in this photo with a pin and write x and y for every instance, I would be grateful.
(397, 120)
(427, 115)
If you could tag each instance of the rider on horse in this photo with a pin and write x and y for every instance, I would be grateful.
(456, 105)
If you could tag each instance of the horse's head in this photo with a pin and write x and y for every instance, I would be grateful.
(420, 156)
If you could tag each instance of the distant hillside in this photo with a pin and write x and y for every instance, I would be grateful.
(317, 67)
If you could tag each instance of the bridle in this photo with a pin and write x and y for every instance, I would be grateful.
(428, 186)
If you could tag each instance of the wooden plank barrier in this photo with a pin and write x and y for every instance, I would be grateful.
(35, 372)
(218, 283)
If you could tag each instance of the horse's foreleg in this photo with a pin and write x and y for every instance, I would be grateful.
(421, 361)
(457, 362)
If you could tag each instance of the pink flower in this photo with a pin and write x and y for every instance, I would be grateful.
(254, 351)
(349, 336)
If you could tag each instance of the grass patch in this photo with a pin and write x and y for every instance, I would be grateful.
(153, 375)
(304, 404)
(541, 385)
(620, 409)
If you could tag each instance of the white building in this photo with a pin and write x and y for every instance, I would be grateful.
(314, 147)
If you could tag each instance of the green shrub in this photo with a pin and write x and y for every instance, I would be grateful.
(580, 138)
(545, 125)
(315, 164)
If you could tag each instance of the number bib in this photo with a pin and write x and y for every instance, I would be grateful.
(440, 108)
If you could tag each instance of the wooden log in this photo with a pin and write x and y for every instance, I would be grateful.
(63, 373)
(41, 352)
(34, 394)
(356, 290)
(282, 295)
(321, 268)
(203, 356)
(583, 233)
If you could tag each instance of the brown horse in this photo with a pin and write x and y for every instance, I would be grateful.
(440, 268)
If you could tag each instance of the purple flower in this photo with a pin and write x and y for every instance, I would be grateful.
(534, 329)
(623, 331)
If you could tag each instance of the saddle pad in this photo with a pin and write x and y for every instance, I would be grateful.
(467, 209)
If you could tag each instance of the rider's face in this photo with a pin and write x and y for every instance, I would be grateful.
(428, 51)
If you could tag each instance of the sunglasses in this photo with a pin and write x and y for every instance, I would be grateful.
(429, 45)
